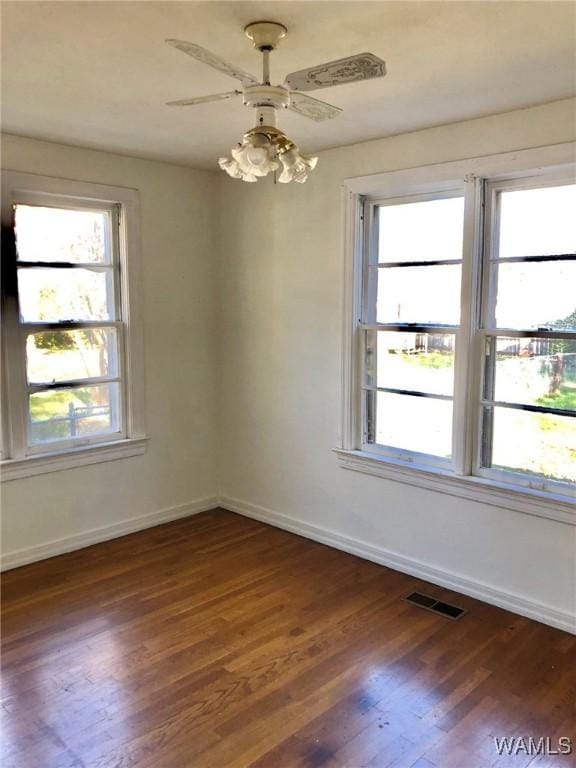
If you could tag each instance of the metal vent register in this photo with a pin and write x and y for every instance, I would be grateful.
(436, 606)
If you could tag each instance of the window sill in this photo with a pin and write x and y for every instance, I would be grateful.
(15, 469)
(539, 503)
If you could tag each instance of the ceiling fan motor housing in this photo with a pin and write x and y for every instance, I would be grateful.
(267, 96)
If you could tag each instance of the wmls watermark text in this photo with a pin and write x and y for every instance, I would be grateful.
(529, 745)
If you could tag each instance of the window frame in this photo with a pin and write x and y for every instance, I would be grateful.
(463, 480)
(488, 330)
(21, 458)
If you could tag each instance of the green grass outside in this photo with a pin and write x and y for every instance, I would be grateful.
(55, 405)
(565, 398)
(431, 360)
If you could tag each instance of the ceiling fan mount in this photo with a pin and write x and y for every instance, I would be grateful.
(265, 34)
(262, 151)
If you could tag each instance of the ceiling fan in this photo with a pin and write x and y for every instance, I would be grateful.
(265, 148)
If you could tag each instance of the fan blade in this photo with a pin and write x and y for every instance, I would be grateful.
(363, 66)
(313, 108)
(203, 99)
(212, 60)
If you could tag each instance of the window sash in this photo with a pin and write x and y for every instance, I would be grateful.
(484, 428)
(17, 442)
(91, 265)
(528, 259)
(414, 458)
(115, 408)
(489, 330)
(487, 402)
(110, 267)
(410, 392)
(370, 271)
(488, 397)
(30, 329)
(368, 396)
(491, 233)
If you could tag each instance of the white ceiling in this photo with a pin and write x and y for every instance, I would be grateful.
(97, 74)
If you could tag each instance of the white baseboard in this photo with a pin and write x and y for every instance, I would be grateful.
(96, 535)
(507, 600)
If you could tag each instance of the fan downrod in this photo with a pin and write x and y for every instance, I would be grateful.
(265, 34)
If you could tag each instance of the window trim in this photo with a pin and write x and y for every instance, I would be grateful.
(512, 497)
(24, 461)
(436, 178)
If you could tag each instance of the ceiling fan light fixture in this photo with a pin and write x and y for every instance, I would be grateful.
(265, 149)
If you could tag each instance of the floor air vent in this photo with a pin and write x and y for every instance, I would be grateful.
(436, 606)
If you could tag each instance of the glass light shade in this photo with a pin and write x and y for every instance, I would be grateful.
(255, 156)
(296, 166)
(232, 168)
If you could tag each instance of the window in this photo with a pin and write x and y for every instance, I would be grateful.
(528, 418)
(67, 338)
(460, 348)
(411, 317)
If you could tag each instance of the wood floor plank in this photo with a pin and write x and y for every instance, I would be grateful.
(219, 642)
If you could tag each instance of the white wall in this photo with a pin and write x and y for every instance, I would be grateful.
(179, 467)
(267, 374)
(280, 330)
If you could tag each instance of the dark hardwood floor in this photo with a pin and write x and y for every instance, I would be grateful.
(219, 642)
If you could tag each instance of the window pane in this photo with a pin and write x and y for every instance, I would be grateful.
(414, 423)
(540, 444)
(74, 413)
(418, 361)
(419, 295)
(535, 294)
(61, 355)
(59, 234)
(423, 231)
(538, 222)
(535, 372)
(65, 294)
